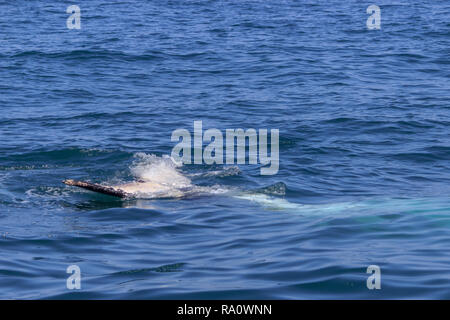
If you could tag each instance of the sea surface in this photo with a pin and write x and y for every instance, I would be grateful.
(364, 176)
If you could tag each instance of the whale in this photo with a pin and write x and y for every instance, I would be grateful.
(160, 178)
(270, 198)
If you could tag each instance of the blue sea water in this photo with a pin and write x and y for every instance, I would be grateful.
(364, 172)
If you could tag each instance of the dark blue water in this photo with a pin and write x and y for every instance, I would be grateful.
(364, 173)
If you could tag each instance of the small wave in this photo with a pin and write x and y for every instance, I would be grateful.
(81, 55)
(175, 267)
(27, 167)
(225, 172)
(47, 193)
(278, 189)
(69, 118)
(55, 155)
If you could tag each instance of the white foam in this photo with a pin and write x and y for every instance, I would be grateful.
(160, 170)
(161, 177)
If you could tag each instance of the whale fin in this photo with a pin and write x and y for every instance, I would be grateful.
(97, 188)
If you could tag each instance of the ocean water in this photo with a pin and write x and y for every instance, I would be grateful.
(364, 152)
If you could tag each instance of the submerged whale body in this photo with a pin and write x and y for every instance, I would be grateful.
(267, 197)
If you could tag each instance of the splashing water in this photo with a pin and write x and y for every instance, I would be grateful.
(156, 177)
(160, 177)
(162, 170)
